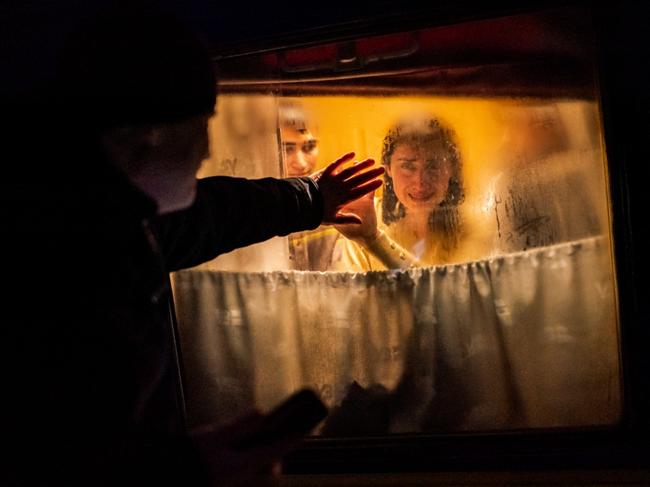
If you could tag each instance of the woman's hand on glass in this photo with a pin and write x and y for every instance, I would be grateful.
(366, 231)
(340, 187)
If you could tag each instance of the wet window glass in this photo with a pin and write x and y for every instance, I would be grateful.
(481, 296)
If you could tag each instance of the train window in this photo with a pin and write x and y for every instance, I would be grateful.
(481, 296)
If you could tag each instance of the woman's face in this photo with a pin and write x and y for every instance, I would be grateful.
(420, 175)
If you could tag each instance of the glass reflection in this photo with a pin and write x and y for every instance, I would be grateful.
(548, 186)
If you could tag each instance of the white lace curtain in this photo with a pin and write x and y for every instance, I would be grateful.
(528, 339)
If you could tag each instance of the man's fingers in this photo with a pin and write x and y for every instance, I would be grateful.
(332, 167)
(352, 170)
(359, 191)
(365, 177)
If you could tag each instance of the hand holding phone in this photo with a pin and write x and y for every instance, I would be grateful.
(293, 418)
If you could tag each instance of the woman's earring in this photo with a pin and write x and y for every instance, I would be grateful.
(452, 187)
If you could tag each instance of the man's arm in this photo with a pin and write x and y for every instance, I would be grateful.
(234, 212)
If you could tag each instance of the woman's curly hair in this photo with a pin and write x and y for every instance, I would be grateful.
(445, 218)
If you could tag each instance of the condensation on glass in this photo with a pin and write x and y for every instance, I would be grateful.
(496, 191)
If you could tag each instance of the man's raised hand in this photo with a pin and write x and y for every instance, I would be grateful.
(342, 186)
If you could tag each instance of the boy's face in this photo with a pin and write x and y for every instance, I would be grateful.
(300, 150)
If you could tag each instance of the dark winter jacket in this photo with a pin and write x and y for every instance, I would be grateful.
(89, 372)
